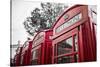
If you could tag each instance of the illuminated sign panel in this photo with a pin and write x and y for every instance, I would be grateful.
(69, 23)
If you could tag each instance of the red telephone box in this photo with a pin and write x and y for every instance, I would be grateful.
(42, 48)
(18, 56)
(26, 53)
(74, 37)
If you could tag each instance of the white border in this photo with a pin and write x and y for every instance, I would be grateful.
(5, 33)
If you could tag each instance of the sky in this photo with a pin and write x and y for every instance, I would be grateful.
(20, 10)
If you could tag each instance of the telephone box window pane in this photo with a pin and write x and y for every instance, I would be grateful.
(76, 42)
(22, 60)
(34, 62)
(36, 56)
(95, 29)
(55, 50)
(65, 59)
(94, 16)
(65, 46)
(76, 58)
(34, 52)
